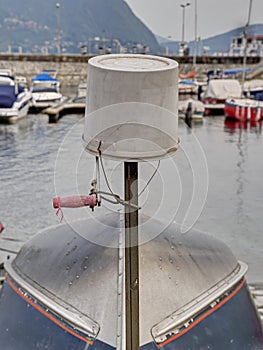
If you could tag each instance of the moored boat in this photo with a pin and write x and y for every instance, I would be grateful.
(62, 288)
(218, 90)
(45, 90)
(15, 99)
(187, 87)
(243, 109)
(254, 89)
(195, 107)
(81, 93)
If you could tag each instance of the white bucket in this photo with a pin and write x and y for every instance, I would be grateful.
(132, 107)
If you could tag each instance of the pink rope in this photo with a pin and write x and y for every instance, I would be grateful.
(59, 211)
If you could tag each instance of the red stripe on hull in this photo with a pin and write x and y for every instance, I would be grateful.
(243, 113)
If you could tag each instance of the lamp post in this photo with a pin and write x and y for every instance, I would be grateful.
(58, 27)
(182, 46)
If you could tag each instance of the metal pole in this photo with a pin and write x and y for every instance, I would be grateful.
(58, 28)
(195, 42)
(131, 257)
(183, 21)
(245, 47)
(183, 6)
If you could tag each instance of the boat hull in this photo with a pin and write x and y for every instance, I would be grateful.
(243, 109)
(15, 113)
(191, 108)
(66, 287)
(214, 107)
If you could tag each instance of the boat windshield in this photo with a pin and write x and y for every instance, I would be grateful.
(26, 325)
(44, 89)
(7, 96)
(231, 323)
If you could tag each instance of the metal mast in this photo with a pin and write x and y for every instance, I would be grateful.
(131, 257)
(58, 28)
(195, 40)
(245, 46)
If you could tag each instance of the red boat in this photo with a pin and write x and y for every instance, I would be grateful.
(243, 109)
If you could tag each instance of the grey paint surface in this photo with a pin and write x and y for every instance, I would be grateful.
(175, 269)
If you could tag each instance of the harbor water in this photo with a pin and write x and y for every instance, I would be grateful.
(214, 183)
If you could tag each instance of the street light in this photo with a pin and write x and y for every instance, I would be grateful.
(182, 46)
(58, 28)
(183, 7)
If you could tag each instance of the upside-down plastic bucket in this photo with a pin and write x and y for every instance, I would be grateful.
(131, 112)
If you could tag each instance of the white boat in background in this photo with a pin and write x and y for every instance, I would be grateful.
(254, 89)
(45, 90)
(187, 87)
(230, 73)
(218, 90)
(15, 99)
(81, 94)
(194, 108)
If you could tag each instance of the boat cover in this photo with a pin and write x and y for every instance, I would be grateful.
(223, 88)
(196, 105)
(43, 77)
(253, 84)
(187, 82)
(236, 70)
(7, 96)
(223, 72)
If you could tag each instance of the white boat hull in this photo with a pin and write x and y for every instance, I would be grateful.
(18, 111)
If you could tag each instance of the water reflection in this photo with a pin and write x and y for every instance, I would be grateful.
(233, 126)
(240, 131)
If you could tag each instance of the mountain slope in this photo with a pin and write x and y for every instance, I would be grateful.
(32, 24)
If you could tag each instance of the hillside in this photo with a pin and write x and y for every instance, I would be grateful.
(32, 24)
(217, 43)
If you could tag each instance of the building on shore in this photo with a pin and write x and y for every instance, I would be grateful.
(254, 46)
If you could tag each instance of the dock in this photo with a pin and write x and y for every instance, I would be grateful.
(256, 291)
(69, 106)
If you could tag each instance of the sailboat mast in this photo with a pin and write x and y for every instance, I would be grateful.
(245, 46)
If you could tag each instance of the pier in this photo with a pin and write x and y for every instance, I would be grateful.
(69, 106)
(72, 69)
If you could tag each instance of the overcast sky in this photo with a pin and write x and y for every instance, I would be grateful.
(164, 17)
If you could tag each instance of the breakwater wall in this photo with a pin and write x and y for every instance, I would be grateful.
(72, 69)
